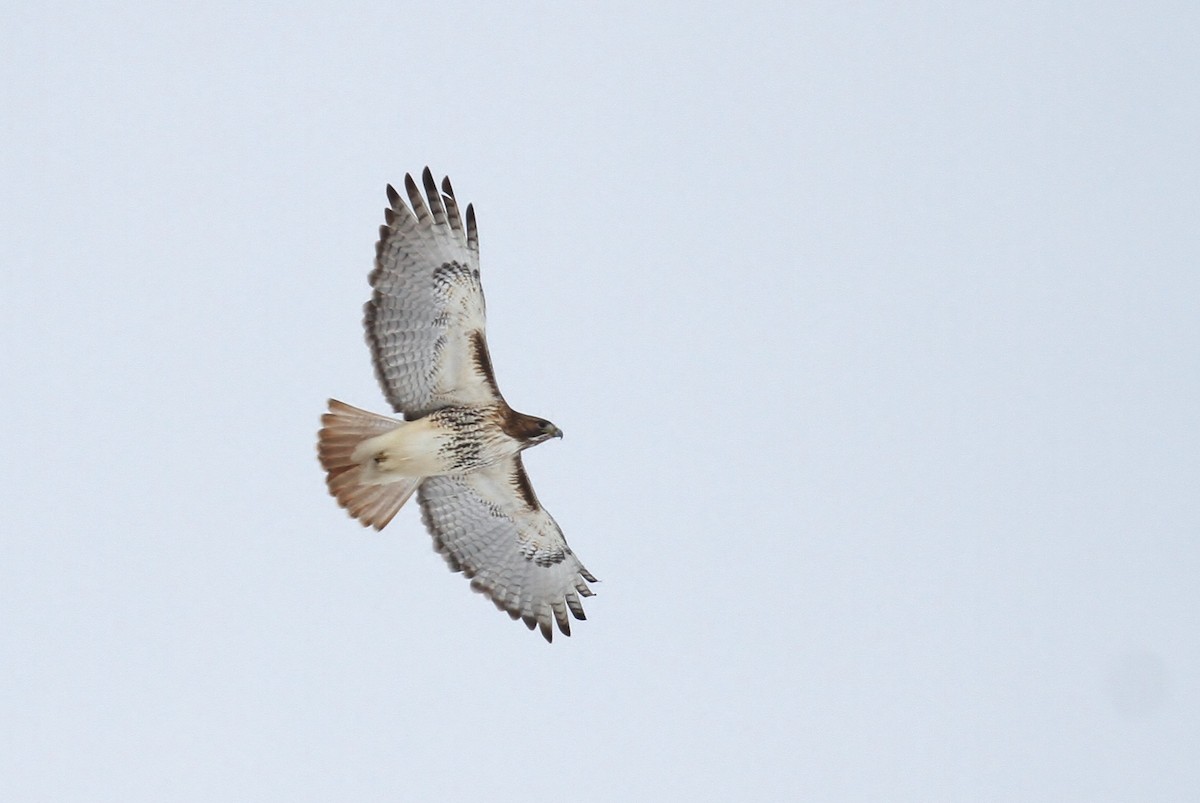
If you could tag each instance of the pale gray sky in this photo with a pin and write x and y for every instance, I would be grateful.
(875, 333)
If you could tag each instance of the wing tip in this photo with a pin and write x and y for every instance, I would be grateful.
(472, 230)
(410, 186)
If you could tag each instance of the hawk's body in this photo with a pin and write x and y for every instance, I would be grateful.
(459, 446)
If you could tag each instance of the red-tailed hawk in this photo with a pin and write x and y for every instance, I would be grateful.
(459, 445)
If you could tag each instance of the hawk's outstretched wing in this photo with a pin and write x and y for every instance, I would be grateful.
(425, 320)
(488, 525)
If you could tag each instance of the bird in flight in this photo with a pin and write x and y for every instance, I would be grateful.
(459, 444)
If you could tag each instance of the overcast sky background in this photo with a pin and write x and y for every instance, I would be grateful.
(875, 336)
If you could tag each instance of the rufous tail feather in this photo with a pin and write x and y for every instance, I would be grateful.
(342, 429)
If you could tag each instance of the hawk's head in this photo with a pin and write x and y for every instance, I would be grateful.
(530, 430)
(546, 430)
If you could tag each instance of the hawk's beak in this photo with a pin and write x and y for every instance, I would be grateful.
(557, 433)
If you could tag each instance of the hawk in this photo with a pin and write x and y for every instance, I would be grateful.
(459, 444)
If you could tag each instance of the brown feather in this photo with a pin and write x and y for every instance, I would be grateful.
(483, 361)
(523, 485)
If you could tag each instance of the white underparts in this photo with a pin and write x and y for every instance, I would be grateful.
(411, 450)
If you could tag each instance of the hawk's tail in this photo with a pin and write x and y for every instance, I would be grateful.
(342, 429)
